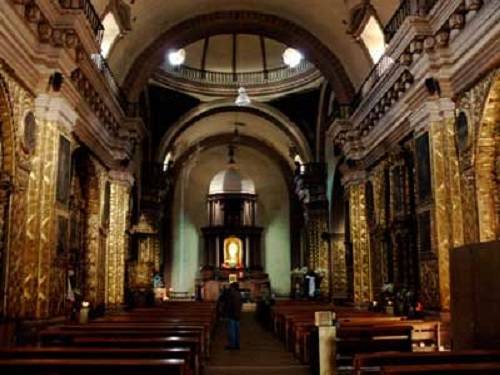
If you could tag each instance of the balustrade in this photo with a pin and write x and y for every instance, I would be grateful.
(407, 8)
(239, 79)
(90, 13)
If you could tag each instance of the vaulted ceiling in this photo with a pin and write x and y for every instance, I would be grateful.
(326, 20)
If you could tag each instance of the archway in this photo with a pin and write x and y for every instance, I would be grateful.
(261, 110)
(250, 22)
(192, 173)
(487, 166)
(6, 176)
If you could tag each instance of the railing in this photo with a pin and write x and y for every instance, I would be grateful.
(91, 14)
(238, 79)
(102, 65)
(378, 70)
(407, 8)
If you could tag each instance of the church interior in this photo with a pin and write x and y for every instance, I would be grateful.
(338, 159)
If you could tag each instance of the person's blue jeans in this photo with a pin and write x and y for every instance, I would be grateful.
(233, 333)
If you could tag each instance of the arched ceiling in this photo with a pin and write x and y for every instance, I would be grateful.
(253, 128)
(249, 55)
(324, 19)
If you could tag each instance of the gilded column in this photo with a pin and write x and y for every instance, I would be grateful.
(47, 227)
(120, 184)
(356, 192)
(448, 220)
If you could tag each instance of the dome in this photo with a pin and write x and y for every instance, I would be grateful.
(230, 181)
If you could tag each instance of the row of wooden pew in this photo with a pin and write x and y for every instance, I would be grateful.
(374, 343)
(171, 339)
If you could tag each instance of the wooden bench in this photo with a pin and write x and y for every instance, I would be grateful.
(99, 353)
(486, 368)
(372, 363)
(192, 343)
(123, 366)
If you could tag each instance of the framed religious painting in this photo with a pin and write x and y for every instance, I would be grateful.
(63, 171)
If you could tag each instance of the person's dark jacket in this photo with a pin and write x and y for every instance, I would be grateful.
(233, 305)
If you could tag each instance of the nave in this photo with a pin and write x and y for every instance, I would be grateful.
(338, 157)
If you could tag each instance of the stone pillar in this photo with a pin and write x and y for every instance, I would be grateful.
(121, 183)
(359, 234)
(448, 220)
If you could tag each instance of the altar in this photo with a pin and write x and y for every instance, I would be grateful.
(232, 240)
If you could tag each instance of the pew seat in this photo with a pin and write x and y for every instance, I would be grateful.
(72, 366)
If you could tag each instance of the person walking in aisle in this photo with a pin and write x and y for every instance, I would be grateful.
(233, 314)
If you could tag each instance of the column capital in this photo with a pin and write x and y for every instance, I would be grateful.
(57, 109)
(122, 177)
(354, 177)
(432, 111)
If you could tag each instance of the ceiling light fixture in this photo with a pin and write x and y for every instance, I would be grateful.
(292, 57)
(177, 57)
(243, 99)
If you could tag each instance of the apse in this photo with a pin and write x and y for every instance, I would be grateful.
(189, 214)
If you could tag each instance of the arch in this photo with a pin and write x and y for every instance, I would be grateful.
(487, 165)
(259, 109)
(250, 22)
(227, 138)
(191, 176)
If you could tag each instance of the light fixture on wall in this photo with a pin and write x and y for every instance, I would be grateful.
(177, 57)
(292, 57)
(243, 99)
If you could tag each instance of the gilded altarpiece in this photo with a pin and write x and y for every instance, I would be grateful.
(360, 239)
(448, 223)
(118, 239)
(318, 252)
(377, 190)
(147, 262)
(15, 102)
(477, 129)
(402, 221)
(339, 271)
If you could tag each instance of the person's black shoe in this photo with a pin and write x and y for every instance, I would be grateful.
(227, 347)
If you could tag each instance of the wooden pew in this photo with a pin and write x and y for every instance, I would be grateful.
(123, 366)
(193, 343)
(99, 353)
(486, 368)
(373, 363)
(149, 328)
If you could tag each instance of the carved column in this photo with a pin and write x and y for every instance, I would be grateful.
(448, 224)
(121, 183)
(359, 235)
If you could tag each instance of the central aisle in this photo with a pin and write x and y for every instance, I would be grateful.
(260, 353)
